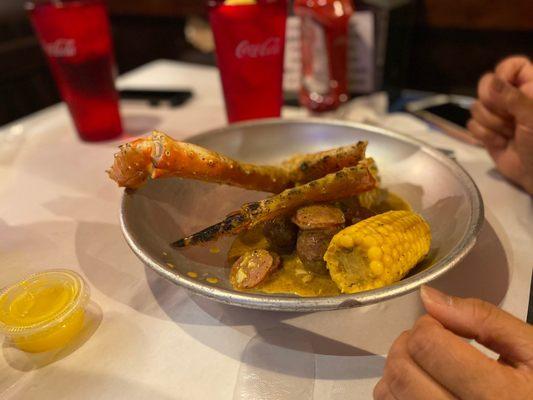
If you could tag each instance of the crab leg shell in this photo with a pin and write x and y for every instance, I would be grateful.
(133, 163)
(186, 160)
(308, 167)
(345, 183)
(160, 156)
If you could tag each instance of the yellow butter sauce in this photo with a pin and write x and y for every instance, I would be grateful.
(293, 277)
(44, 311)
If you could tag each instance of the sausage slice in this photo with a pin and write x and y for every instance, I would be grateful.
(318, 216)
(252, 268)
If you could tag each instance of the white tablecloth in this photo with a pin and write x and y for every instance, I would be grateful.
(150, 339)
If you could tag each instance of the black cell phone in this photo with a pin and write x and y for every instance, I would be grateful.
(449, 113)
(155, 96)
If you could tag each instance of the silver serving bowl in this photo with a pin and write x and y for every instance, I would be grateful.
(167, 209)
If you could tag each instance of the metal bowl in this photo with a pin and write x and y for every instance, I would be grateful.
(164, 210)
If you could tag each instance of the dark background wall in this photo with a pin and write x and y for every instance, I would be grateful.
(25, 82)
(453, 42)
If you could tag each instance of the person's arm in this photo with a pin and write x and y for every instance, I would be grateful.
(432, 360)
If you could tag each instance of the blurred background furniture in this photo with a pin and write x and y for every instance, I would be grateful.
(451, 44)
(25, 81)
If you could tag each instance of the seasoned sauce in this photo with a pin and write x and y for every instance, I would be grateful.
(294, 277)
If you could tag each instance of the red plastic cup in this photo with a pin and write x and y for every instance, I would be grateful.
(75, 36)
(249, 41)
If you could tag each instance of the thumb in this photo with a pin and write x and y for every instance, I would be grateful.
(508, 99)
(482, 321)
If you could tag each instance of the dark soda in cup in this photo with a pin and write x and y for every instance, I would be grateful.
(76, 39)
(250, 40)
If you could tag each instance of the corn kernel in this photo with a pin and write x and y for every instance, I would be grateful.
(346, 241)
(357, 240)
(376, 267)
(387, 260)
(374, 253)
(369, 241)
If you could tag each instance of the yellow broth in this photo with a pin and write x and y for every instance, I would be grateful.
(293, 277)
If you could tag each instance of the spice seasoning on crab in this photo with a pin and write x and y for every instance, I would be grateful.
(345, 183)
(160, 156)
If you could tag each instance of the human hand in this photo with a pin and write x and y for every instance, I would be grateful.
(432, 361)
(502, 119)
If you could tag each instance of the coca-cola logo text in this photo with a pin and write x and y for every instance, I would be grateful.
(269, 47)
(61, 48)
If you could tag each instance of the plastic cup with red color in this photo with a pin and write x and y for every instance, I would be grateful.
(250, 40)
(75, 36)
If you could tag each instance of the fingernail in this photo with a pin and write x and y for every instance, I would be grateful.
(430, 294)
(497, 84)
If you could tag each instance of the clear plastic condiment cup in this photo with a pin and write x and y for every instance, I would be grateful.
(44, 311)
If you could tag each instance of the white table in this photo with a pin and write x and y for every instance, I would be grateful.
(150, 339)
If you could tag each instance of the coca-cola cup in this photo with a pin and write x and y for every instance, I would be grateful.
(75, 37)
(250, 39)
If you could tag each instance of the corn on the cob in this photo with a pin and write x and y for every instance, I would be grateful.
(377, 251)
